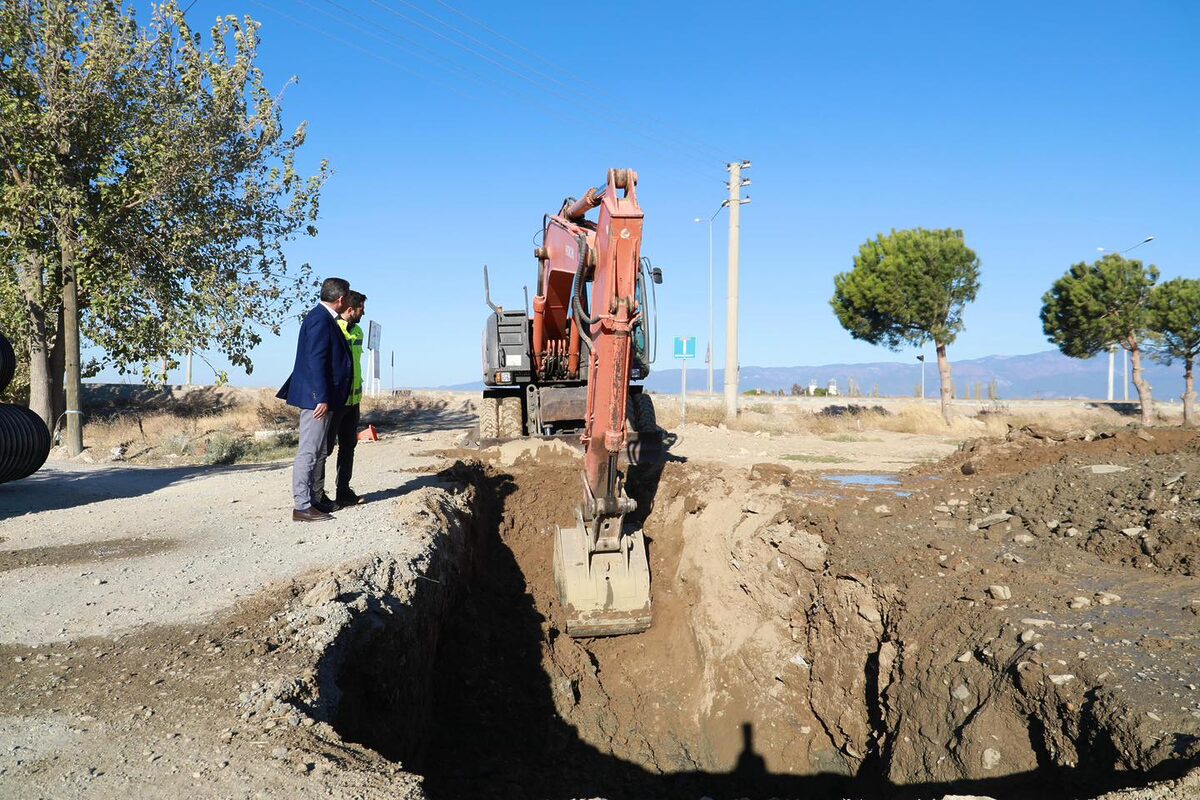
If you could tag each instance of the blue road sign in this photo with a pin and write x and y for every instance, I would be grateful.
(685, 346)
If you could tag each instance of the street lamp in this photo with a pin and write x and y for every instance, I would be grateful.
(709, 357)
(1112, 349)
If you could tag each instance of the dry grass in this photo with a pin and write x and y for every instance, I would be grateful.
(853, 420)
(850, 437)
(206, 427)
(190, 432)
(218, 426)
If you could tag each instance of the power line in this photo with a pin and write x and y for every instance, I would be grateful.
(424, 52)
(674, 143)
(353, 46)
(405, 41)
(578, 80)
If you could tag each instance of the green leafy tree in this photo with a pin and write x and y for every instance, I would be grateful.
(909, 288)
(1092, 307)
(1175, 333)
(147, 190)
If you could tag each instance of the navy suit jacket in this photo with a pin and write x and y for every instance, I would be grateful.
(323, 370)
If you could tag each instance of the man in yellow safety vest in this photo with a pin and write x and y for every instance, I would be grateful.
(344, 428)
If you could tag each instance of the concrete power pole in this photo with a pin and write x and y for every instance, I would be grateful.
(1112, 355)
(736, 182)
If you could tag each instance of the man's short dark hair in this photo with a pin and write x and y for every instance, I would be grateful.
(357, 299)
(334, 289)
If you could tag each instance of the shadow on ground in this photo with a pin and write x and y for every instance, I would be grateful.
(410, 485)
(57, 486)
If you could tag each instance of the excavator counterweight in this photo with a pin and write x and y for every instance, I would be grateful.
(568, 370)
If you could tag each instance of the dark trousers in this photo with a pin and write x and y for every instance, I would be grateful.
(343, 431)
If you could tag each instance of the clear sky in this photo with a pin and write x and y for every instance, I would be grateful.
(1043, 130)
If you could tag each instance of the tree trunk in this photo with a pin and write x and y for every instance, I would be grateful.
(947, 381)
(40, 394)
(1143, 387)
(37, 345)
(74, 387)
(1189, 394)
(58, 366)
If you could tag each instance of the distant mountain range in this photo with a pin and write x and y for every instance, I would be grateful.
(1046, 375)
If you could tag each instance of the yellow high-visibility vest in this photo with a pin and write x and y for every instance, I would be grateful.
(354, 336)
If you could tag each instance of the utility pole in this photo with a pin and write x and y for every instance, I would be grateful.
(73, 383)
(1113, 347)
(683, 393)
(709, 358)
(1125, 373)
(1112, 357)
(736, 182)
(188, 379)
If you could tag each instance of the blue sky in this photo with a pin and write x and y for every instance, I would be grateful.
(1044, 131)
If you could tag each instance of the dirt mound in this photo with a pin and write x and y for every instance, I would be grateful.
(1133, 498)
(1033, 446)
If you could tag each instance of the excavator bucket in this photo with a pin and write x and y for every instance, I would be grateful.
(603, 594)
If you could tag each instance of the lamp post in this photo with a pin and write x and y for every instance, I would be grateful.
(921, 358)
(1112, 350)
(709, 357)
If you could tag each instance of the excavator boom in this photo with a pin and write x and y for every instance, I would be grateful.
(601, 569)
(566, 371)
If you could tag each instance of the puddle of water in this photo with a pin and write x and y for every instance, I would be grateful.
(867, 481)
(863, 480)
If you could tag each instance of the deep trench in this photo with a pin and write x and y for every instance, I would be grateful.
(463, 698)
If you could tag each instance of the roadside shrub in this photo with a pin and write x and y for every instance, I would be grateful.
(224, 448)
(271, 412)
(177, 444)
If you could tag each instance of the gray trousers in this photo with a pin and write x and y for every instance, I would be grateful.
(310, 455)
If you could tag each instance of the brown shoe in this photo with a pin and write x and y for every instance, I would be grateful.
(310, 515)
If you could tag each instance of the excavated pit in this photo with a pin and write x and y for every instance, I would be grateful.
(771, 670)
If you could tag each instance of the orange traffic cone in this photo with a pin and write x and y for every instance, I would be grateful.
(368, 434)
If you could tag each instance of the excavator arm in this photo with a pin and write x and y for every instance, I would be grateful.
(601, 568)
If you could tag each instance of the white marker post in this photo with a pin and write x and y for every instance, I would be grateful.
(374, 331)
(685, 348)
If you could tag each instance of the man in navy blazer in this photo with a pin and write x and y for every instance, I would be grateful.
(319, 384)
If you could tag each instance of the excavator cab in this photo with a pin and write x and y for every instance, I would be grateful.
(645, 346)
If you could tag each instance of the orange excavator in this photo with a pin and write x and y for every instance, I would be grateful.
(568, 370)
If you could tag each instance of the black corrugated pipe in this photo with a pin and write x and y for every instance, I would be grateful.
(24, 443)
(24, 438)
(8, 363)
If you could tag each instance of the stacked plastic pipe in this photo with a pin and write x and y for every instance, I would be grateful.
(24, 438)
